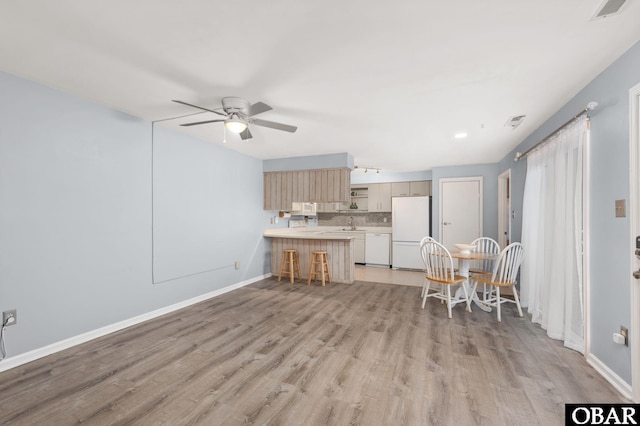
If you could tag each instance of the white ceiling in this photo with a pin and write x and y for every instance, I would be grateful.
(389, 82)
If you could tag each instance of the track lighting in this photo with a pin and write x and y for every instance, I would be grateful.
(366, 169)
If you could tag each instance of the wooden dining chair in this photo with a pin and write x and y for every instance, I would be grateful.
(439, 270)
(505, 273)
(422, 242)
(481, 267)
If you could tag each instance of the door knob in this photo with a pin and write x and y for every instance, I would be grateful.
(446, 223)
(636, 275)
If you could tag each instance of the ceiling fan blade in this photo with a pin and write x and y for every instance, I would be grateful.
(246, 134)
(199, 107)
(201, 122)
(258, 108)
(274, 125)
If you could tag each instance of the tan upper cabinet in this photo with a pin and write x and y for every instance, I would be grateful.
(401, 189)
(422, 187)
(379, 197)
(411, 189)
(314, 186)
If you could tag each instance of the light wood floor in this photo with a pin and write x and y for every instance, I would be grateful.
(282, 354)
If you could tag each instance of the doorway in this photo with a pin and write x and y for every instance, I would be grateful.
(504, 208)
(460, 210)
(634, 204)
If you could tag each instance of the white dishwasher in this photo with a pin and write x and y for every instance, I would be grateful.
(377, 249)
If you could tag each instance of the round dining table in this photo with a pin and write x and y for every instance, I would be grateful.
(464, 261)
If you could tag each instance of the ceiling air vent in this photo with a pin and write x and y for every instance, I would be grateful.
(514, 121)
(608, 8)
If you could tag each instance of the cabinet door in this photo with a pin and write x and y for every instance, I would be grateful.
(380, 197)
(384, 195)
(422, 187)
(429, 187)
(400, 189)
(270, 192)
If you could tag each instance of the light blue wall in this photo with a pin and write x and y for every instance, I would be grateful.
(327, 161)
(609, 174)
(489, 173)
(358, 176)
(76, 229)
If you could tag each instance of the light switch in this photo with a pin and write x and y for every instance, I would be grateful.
(621, 209)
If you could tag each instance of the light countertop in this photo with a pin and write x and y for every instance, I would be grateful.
(307, 234)
(323, 232)
(345, 228)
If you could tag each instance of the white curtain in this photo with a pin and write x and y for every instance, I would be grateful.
(551, 283)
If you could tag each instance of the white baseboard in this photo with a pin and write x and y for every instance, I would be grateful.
(12, 362)
(621, 386)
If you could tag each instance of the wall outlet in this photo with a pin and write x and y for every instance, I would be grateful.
(237, 264)
(625, 333)
(10, 317)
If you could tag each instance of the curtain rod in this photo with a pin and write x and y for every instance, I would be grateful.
(590, 107)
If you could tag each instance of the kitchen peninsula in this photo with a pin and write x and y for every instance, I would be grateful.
(338, 244)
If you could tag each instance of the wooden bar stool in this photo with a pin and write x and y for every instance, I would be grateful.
(289, 264)
(319, 257)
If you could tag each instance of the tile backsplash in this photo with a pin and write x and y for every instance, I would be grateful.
(359, 219)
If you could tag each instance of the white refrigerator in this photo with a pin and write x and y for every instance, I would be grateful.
(411, 221)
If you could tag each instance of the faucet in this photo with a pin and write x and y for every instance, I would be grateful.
(353, 227)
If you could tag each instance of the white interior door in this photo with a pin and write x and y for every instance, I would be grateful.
(460, 210)
(504, 208)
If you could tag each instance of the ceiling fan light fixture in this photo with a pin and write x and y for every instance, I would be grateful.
(235, 125)
(238, 113)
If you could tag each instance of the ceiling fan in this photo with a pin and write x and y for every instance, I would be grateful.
(238, 114)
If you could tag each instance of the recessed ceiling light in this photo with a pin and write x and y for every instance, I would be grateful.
(460, 135)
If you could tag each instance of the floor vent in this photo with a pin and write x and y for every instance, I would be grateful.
(609, 8)
(514, 121)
